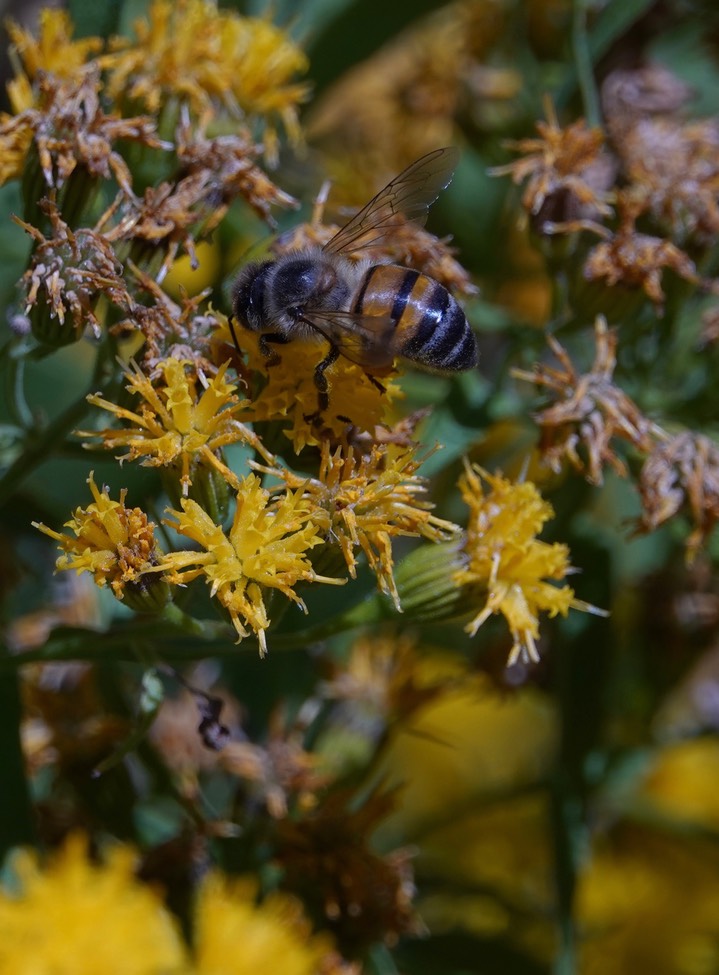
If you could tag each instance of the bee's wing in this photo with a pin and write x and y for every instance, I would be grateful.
(411, 194)
(363, 339)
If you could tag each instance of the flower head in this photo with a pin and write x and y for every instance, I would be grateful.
(179, 424)
(567, 171)
(637, 260)
(289, 393)
(73, 269)
(76, 917)
(363, 502)
(209, 59)
(71, 131)
(503, 553)
(589, 411)
(681, 472)
(234, 933)
(266, 548)
(116, 544)
(53, 51)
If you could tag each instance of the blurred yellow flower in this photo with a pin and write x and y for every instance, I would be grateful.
(266, 548)
(363, 501)
(75, 917)
(53, 51)
(503, 553)
(179, 425)
(116, 544)
(236, 935)
(196, 53)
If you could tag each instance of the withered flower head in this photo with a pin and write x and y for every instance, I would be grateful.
(167, 217)
(170, 330)
(280, 773)
(230, 163)
(71, 130)
(589, 411)
(673, 164)
(567, 171)
(681, 473)
(637, 260)
(328, 861)
(72, 269)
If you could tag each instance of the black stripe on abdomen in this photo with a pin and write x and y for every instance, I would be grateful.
(403, 295)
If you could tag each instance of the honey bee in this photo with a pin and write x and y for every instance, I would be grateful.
(369, 313)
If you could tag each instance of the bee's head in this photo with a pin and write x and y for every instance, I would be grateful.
(248, 295)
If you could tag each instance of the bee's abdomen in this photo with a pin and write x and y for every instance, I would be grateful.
(430, 327)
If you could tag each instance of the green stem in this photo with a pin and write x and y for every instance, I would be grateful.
(50, 440)
(15, 389)
(584, 65)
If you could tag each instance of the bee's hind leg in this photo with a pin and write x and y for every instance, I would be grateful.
(323, 399)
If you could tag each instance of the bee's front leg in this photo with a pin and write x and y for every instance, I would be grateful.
(271, 355)
(323, 399)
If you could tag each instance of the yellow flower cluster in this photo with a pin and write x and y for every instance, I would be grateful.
(75, 916)
(503, 553)
(266, 548)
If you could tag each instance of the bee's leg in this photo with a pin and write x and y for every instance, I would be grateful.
(274, 338)
(233, 333)
(323, 399)
(376, 382)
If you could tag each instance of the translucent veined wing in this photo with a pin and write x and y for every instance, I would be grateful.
(411, 194)
(363, 339)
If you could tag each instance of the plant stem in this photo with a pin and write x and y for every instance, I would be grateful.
(584, 65)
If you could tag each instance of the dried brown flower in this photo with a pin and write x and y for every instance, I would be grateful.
(277, 773)
(567, 170)
(171, 330)
(680, 473)
(590, 410)
(637, 260)
(329, 863)
(673, 164)
(229, 162)
(71, 130)
(73, 269)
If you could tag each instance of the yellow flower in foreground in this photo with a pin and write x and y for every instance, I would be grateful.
(179, 425)
(365, 501)
(266, 548)
(115, 543)
(503, 554)
(195, 52)
(234, 935)
(75, 917)
(290, 393)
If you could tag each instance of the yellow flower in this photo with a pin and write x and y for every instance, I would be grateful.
(75, 917)
(53, 51)
(115, 543)
(207, 57)
(290, 393)
(234, 935)
(503, 554)
(178, 425)
(365, 501)
(266, 549)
